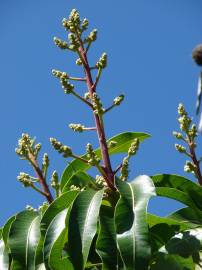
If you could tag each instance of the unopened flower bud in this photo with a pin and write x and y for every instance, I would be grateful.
(177, 135)
(78, 62)
(180, 148)
(60, 43)
(134, 147)
(181, 110)
(189, 167)
(117, 101)
(77, 127)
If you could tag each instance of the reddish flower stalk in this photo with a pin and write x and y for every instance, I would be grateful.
(99, 126)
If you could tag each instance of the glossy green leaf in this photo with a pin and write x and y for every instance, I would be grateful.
(82, 225)
(179, 188)
(23, 239)
(56, 207)
(131, 226)
(188, 216)
(6, 229)
(4, 258)
(81, 180)
(153, 220)
(123, 140)
(107, 238)
(55, 239)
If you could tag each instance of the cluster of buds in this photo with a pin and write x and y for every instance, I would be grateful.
(125, 164)
(73, 187)
(102, 62)
(77, 127)
(25, 179)
(92, 36)
(59, 74)
(189, 136)
(184, 120)
(63, 76)
(118, 100)
(190, 167)
(97, 105)
(93, 160)
(55, 182)
(27, 146)
(73, 22)
(125, 169)
(62, 149)
(100, 181)
(180, 148)
(60, 43)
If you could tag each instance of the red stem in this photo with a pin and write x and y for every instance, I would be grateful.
(196, 162)
(42, 180)
(100, 129)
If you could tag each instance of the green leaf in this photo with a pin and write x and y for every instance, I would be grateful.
(187, 216)
(107, 238)
(123, 140)
(172, 262)
(23, 239)
(4, 258)
(6, 229)
(83, 225)
(54, 242)
(179, 188)
(131, 226)
(185, 243)
(80, 179)
(56, 207)
(153, 220)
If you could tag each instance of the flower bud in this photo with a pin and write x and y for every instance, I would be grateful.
(177, 135)
(117, 101)
(180, 148)
(60, 43)
(77, 127)
(78, 62)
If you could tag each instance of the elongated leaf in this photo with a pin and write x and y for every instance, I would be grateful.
(56, 207)
(4, 258)
(153, 220)
(188, 217)
(179, 188)
(55, 238)
(123, 140)
(131, 226)
(6, 229)
(82, 225)
(106, 240)
(23, 238)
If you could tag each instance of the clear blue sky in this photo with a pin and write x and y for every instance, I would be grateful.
(149, 46)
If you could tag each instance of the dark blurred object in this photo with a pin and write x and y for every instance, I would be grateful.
(197, 54)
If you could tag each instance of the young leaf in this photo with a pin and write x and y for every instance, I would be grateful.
(83, 225)
(131, 226)
(123, 140)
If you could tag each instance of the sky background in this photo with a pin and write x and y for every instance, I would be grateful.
(149, 45)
